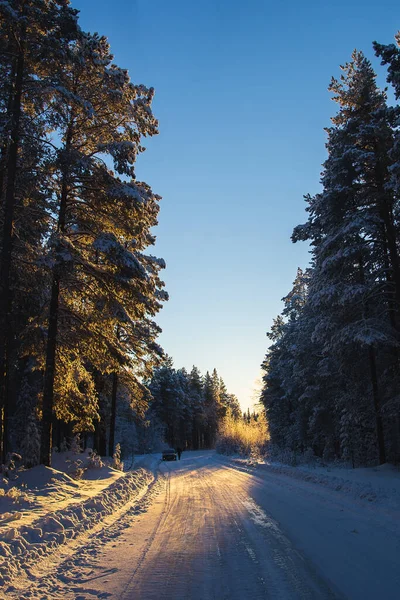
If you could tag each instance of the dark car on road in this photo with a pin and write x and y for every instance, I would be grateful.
(169, 454)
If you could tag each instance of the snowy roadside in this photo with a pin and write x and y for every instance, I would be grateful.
(45, 508)
(375, 485)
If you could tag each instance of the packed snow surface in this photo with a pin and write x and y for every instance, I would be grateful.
(211, 528)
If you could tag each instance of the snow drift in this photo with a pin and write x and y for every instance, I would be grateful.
(22, 546)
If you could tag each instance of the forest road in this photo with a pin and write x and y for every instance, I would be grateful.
(219, 532)
(212, 541)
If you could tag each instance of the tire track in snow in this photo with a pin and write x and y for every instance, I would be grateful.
(280, 568)
(214, 542)
(159, 575)
(294, 572)
(160, 521)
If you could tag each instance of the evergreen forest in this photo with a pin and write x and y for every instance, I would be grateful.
(332, 371)
(80, 289)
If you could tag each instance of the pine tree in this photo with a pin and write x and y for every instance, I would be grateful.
(227, 402)
(104, 289)
(233, 406)
(33, 37)
(352, 289)
(390, 55)
(167, 401)
(196, 400)
(212, 406)
(189, 405)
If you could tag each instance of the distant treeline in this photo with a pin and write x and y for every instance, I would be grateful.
(190, 406)
(332, 373)
(183, 410)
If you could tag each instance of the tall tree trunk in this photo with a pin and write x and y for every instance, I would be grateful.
(113, 416)
(374, 383)
(48, 388)
(100, 438)
(377, 407)
(5, 140)
(389, 273)
(100, 432)
(9, 205)
(389, 234)
(393, 253)
(51, 349)
(392, 267)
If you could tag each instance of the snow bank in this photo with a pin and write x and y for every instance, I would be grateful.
(380, 485)
(147, 461)
(23, 545)
(32, 493)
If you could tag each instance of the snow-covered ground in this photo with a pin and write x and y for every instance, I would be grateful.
(210, 527)
(377, 485)
(42, 509)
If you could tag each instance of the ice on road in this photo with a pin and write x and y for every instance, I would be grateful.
(216, 532)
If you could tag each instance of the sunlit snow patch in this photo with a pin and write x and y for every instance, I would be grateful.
(259, 517)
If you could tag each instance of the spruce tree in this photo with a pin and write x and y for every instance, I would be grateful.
(350, 224)
(390, 55)
(196, 399)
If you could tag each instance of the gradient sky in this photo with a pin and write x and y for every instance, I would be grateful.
(241, 96)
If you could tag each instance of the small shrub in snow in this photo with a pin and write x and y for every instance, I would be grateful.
(76, 469)
(117, 463)
(9, 468)
(94, 460)
(76, 444)
(15, 494)
(255, 456)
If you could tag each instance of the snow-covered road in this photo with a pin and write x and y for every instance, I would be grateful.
(210, 530)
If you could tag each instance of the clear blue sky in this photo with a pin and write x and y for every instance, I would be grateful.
(241, 96)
